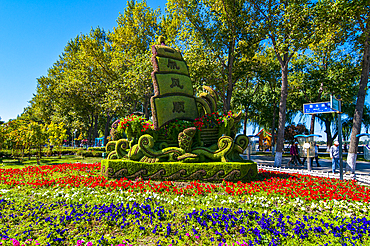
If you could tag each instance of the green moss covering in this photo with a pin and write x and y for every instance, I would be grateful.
(211, 171)
(173, 107)
(166, 51)
(172, 84)
(168, 65)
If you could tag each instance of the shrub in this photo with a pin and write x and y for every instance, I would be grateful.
(89, 153)
(96, 148)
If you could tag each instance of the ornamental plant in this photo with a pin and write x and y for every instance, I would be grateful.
(212, 120)
(172, 129)
(223, 121)
(56, 134)
(134, 126)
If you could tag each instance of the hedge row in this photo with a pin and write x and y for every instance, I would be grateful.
(90, 153)
(208, 171)
(54, 152)
(96, 149)
(34, 152)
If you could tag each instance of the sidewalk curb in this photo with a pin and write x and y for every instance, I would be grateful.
(360, 178)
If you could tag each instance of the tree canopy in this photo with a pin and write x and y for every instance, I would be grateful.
(264, 58)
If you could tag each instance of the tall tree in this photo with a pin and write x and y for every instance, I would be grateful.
(314, 78)
(98, 53)
(219, 38)
(289, 26)
(56, 134)
(259, 93)
(359, 12)
(354, 16)
(37, 133)
(138, 27)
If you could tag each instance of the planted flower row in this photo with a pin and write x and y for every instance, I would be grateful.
(138, 125)
(288, 185)
(60, 222)
(71, 204)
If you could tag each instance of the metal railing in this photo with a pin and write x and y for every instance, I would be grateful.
(360, 178)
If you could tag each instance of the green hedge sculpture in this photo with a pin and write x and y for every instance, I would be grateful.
(177, 171)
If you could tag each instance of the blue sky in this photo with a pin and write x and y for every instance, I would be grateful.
(34, 33)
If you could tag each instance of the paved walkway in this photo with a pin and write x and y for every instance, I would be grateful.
(267, 163)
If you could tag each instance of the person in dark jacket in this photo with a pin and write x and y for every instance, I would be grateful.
(294, 154)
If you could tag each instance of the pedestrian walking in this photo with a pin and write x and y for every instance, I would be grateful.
(334, 155)
(294, 154)
(316, 155)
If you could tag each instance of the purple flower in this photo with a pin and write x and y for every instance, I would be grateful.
(15, 242)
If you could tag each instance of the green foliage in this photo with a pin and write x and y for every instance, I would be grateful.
(134, 126)
(292, 130)
(258, 94)
(2, 136)
(172, 170)
(5, 153)
(171, 130)
(219, 39)
(96, 148)
(89, 153)
(56, 134)
(9, 153)
(137, 30)
(224, 121)
(37, 135)
(98, 71)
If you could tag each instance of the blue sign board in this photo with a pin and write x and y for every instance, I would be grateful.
(317, 108)
(335, 104)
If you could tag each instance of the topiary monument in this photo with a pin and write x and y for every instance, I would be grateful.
(207, 149)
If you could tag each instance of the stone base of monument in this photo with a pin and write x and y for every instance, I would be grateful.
(179, 171)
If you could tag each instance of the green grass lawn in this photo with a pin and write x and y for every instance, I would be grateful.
(15, 163)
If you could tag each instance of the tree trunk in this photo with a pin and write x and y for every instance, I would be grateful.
(312, 127)
(329, 138)
(22, 153)
(357, 118)
(282, 111)
(95, 135)
(90, 130)
(40, 154)
(134, 107)
(106, 130)
(245, 120)
(273, 131)
(230, 82)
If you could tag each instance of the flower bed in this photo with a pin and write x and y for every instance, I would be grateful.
(134, 126)
(72, 204)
